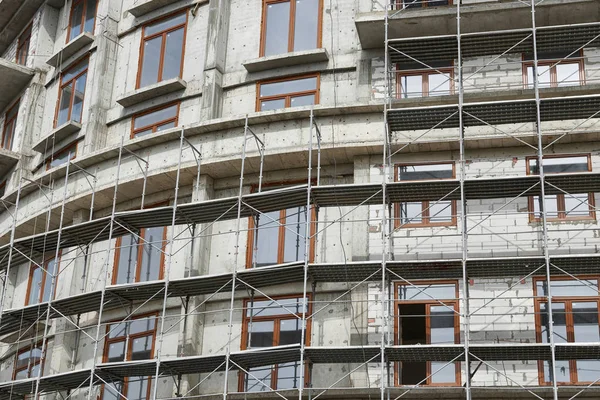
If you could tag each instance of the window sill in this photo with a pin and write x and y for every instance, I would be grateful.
(14, 79)
(148, 6)
(57, 136)
(70, 49)
(8, 159)
(151, 92)
(286, 60)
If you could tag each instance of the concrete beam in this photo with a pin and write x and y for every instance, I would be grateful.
(13, 80)
(152, 91)
(14, 17)
(286, 60)
(70, 49)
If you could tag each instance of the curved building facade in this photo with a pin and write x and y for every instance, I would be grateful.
(345, 199)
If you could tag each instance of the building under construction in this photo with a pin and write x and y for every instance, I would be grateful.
(299, 199)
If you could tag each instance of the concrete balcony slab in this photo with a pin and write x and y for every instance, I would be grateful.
(14, 17)
(8, 159)
(487, 16)
(71, 49)
(57, 135)
(286, 60)
(144, 7)
(13, 80)
(152, 91)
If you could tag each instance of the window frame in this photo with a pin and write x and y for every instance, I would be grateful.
(72, 82)
(560, 198)
(553, 62)
(72, 146)
(23, 45)
(32, 269)
(291, 26)
(162, 33)
(276, 332)
(83, 14)
(425, 73)
(12, 122)
(288, 96)
(427, 302)
(567, 300)
(424, 204)
(155, 126)
(28, 367)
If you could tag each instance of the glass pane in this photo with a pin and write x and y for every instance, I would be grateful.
(411, 213)
(439, 84)
(569, 288)
(272, 105)
(23, 374)
(306, 24)
(112, 390)
(166, 126)
(440, 211)
(143, 133)
(116, 352)
(294, 234)
(151, 61)
(34, 371)
(411, 86)
(560, 323)
(576, 205)
(64, 105)
(266, 239)
(141, 348)
(173, 55)
(551, 204)
(76, 17)
(128, 253)
(288, 375)
(562, 371)
(441, 324)
(90, 16)
(48, 290)
(424, 172)
(137, 389)
(78, 100)
(35, 286)
(9, 133)
(23, 359)
(544, 76)
(151, 254)
(116, 330)
(260, 334)
(427, 292)
(585, 322)
(281, 307)
(155, 117)
(142, 325)
(299, 101)
(164, 24)
(76, 70)
(260, 381)
(567, 75)
(558, 165)
(588, 370)
(290, 332)
(443, 373)
(63, 157)
(277, 28)
(287, 87)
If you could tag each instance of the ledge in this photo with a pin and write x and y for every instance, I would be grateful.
(8, 159)
(148, 6)
(152, 91)
(13, 79)
(71, 49)
(57, 135)
(286, 60)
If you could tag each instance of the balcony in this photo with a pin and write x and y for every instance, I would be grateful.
(66, 131)
(144, 7)
(150, 92)
(14, 79)
(70, 49)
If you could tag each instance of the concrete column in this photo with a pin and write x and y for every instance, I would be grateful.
(214, 63)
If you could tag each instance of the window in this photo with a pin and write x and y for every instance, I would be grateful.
(162, 50)
(420, 3)
(130, 341)
(83, 18)
(267, 323)
(155, 121)
(292, 25)
(555, 70)
(425, 213)
(284, 93)
(575, 320)
(39, 288)
(420, 82)
(427, 314)
(562, 206)
(72, 91)
(10, 126)
(28, 362)
(140, 260)
(62, 157)
(23, 46)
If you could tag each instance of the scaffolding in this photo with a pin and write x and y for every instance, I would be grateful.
(536, 106)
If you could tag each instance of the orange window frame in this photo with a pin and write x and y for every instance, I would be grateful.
(560, 198)
(28, 367)
(553, 63)
(23, 45)
(33, 268)
(155, 125)
(10, 124)
(291, 26)
(276, 333)
(83, 14)
(570, 326)
(447, 302)
(425, 216)
(162, 33)
(72, 83)
(60, 153)
(425, 79)
(288, 96)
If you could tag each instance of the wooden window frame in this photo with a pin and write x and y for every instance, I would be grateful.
(28, 367)
(8, 122)
(276, 331)
(292, 24)
(560, 198)
(66, 150)
(428, 302)
(72, 82)
(424, 204)
(83, 14)
(425, 79)
(128, 348)
(32, 269)
(154, 126)
(162, 33)
(552, 63)
(567, 300)
(23, 45)
(288, 96)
